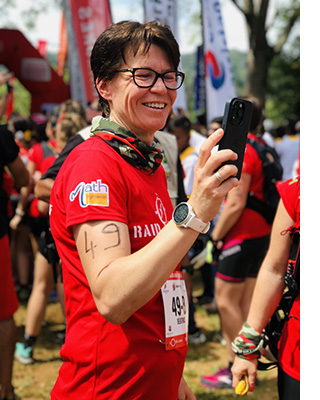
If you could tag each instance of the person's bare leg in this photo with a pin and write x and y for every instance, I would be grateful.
(42, 287)
(60, 292)
(7, 342)
(229, 296)
(22, 253)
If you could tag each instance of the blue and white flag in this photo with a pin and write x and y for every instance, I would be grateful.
(165, 11)
(219, 81)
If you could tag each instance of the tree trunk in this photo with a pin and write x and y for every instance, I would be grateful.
(258, 61)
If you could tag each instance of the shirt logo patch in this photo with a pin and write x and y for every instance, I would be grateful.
(91, 194)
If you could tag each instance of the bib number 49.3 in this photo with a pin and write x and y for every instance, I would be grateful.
(176, 309)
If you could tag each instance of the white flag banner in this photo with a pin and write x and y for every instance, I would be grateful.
(219, 81)
(165, 11)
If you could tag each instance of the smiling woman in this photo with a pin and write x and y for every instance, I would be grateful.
(111, 221)
(142, 109)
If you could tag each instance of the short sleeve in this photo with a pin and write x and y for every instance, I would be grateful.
(94, 189)
(290, 194)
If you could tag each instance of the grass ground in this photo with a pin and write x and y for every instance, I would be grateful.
(34, 382)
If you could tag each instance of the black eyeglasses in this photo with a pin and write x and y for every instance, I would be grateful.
(147, 77)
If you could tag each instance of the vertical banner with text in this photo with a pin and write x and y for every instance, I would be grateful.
(219, 81)
(86, 20)
(165, 11)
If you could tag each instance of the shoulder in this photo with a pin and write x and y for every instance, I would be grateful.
(290, 188)
(290, 194)
(92, 156)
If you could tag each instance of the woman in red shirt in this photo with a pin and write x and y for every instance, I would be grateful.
(267, 295)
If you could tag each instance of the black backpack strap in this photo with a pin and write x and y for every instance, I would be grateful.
(268, 207)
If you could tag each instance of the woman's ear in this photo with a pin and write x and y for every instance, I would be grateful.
(103, 87)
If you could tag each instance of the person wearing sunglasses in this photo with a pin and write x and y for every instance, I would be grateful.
(117, 236)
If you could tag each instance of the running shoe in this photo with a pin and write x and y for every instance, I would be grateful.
(24, 354)
(197, 337)
(221, 380)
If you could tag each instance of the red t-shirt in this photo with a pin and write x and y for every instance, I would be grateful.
(251, 224)
(42, 163)
(103, 360)
(289, 345)
(36, 153)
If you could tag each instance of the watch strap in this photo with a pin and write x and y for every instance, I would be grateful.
(198, 225)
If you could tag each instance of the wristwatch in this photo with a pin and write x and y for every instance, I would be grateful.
(184, 216)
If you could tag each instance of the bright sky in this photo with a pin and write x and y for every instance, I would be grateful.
(48, 24)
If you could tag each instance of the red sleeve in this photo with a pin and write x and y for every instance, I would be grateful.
(94, 193)
(290, 194)
(252, 165)
(250, 160)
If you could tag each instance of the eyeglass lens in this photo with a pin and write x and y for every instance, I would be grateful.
(147, 77)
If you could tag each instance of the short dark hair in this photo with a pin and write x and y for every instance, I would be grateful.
(113, 44)
(257, 112)
(179, 122)
(218, 120)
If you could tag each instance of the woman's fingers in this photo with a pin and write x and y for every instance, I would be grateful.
(209, 161)
(224, 173)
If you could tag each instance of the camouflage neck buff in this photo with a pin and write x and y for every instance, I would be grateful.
(134, 151)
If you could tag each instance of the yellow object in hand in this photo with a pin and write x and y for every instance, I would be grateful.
(243, 386)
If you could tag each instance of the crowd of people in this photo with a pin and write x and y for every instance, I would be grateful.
(139, 201)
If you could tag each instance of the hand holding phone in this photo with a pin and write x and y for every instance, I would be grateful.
(236, 125)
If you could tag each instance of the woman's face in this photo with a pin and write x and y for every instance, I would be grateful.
(140, 110)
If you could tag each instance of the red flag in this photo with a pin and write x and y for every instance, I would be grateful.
(63, 48)
(89, 19)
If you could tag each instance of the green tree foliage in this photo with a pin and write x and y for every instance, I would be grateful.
(264, 47)
(283, 91)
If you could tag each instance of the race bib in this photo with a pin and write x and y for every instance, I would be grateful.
(176, 311)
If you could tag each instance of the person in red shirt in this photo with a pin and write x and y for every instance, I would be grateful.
(242, 234)
(44, 282)
(9, 157)
(268, 292)
(111, 219)
(26, 134)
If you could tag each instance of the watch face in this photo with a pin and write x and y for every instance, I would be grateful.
(180, 213)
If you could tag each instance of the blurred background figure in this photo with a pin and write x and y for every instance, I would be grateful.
(215, 124)
(242, 236)
(5, 79)
(46, 258)
(180, 127)
(23, 242)
(9, 160)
